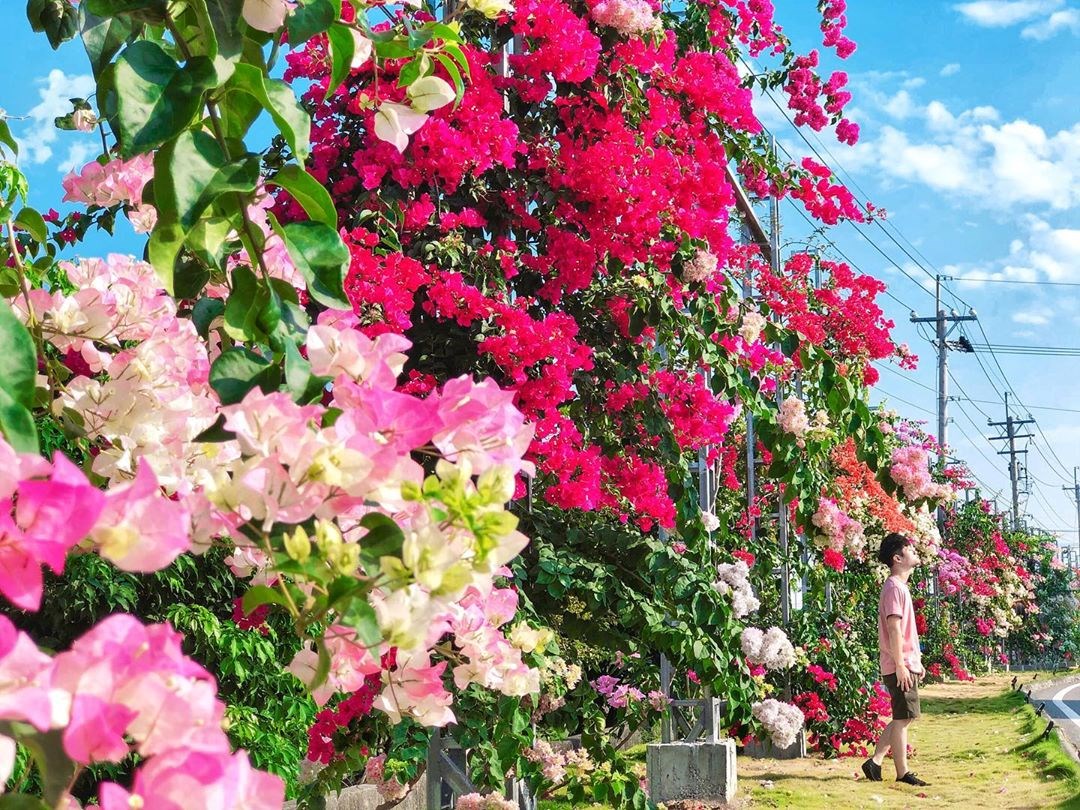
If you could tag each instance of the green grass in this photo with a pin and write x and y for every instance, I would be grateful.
(979, 745)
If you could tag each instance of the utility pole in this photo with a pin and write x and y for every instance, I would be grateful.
(1011, 424)
(1075, 490)
(944, 324)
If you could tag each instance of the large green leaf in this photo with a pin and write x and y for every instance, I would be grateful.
(189, 174)
(103, 37)
(278, 99)
(18, 360)
(307, 191)
(153, 10)
(238, 370)
(58, 19)
(7, 139)
(247, 300)
(224, 16)
(309, 18)
(155, 98)
(321, 257)
(17, 424)
(342, 49)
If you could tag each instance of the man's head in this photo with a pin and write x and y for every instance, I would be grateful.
(898, 551)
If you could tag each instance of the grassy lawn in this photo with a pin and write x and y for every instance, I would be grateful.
(977, 744)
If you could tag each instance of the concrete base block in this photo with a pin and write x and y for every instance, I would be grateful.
(764, 749)
(366, 797)
(682, 770)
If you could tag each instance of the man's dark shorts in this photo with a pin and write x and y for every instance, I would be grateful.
(905, 705)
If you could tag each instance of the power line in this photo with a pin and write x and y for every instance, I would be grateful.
(1018, 281)
(906, 402)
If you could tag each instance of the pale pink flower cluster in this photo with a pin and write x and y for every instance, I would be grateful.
(910, 469)
(492, 660)
(154, 397)
(710, 522)
(838, 531)
(126, 687)
(275, 256)
(487, 801)
(770, 649)
(792, 419)
(551, 762)
(390, 790)
(782, 721)
(701, 268)
(751, 326)
(616, 694)
(114, 183)
(557, 765)
(734, 579)
(629, 17)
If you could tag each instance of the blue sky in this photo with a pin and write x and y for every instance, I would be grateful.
(970, 114)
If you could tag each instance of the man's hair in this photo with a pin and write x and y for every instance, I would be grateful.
(892, 545)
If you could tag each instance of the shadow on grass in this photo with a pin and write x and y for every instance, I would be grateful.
(1002, 704)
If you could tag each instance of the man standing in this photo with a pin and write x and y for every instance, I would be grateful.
(901, 659)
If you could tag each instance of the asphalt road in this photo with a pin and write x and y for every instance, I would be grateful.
(1062, 699)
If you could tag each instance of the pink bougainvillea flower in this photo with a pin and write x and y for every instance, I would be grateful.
(183, 779)
(51, 516)
(141, 530)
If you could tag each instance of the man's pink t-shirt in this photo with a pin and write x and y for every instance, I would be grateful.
(896, 601)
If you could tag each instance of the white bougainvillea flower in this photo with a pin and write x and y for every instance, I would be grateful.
(394, 123)
(430, 93)
(266, 15)
(361, 49)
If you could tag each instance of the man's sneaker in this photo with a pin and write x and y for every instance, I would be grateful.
(911, 779)
(872, 770)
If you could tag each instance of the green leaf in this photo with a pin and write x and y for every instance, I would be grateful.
(189, 174)
(216, 432)
(189, 279)
(58, 19)
(342, 49)
(153, 10)
(459, 56)
(455, 75)
(17, 424)
(242, 310)
(361, 617)
(155, 98)
(20, 801)
(444, 32)
(393, 49)
(204, 312)
(309, 18)
(31, 221)
(278, 99)
(304, 386)
(7, 139)
(258, 595)
(307, 191)
(237, 371)
(103, 37)
(224, 17)
(383, 539)
(18, 360)
(321, 257)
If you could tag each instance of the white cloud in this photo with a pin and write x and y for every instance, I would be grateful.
(1046, 254)
(36, 140)
(1039, 316)
(971, 154)
(950, 69)
(78, 154)
(1003, 13)
(1065, 20)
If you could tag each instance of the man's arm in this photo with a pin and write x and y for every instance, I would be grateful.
(904, 678)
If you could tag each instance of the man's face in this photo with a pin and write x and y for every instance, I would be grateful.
(908, 557)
